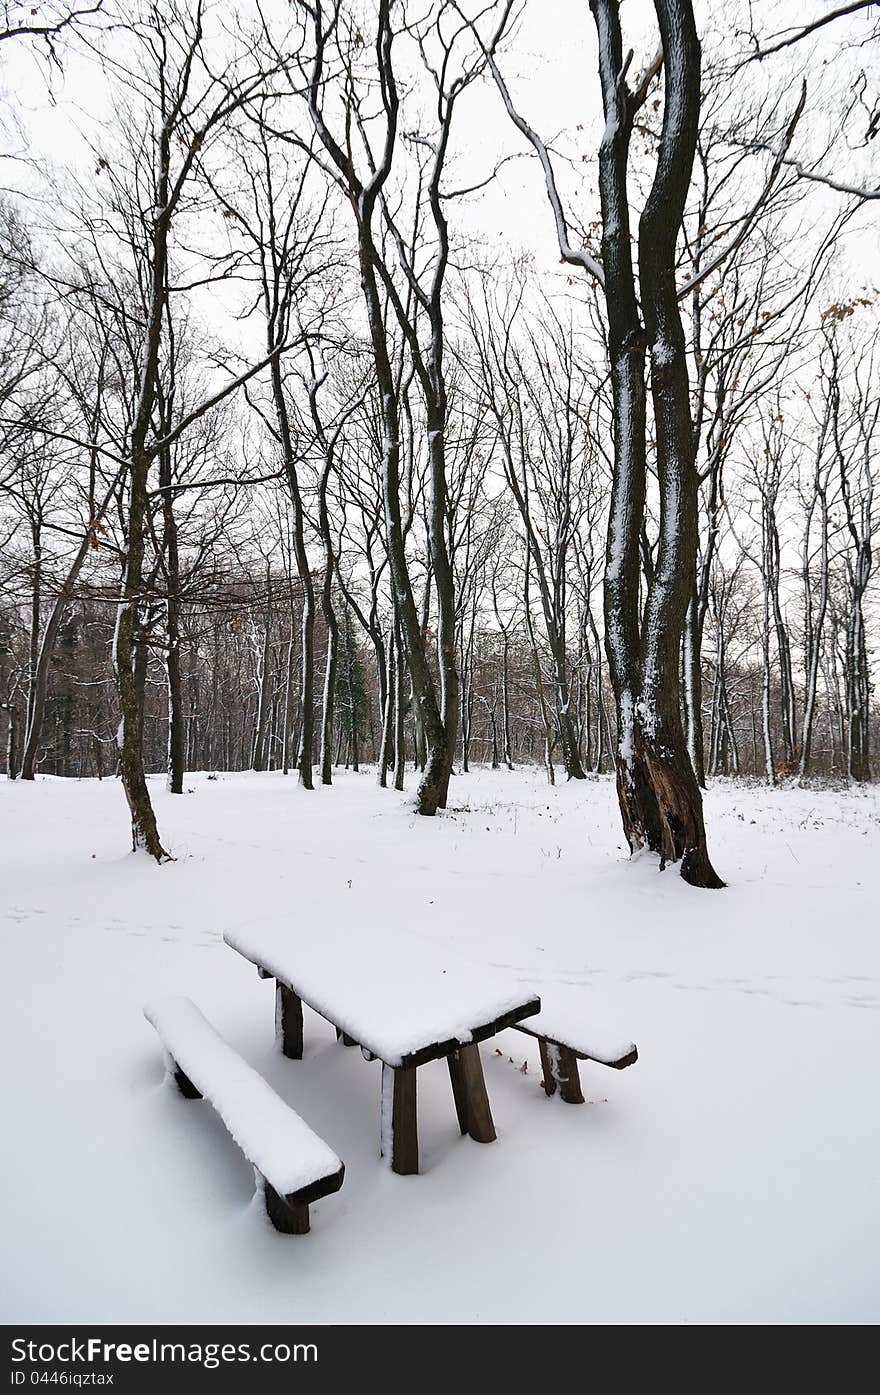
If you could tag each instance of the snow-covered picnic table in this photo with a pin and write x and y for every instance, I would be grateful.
(402, 1002)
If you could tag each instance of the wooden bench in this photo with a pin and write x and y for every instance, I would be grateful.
(295, 1166)
(561, 1048)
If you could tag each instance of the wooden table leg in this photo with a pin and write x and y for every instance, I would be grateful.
(479, 1115)
(399, 1138)
(289, 1021)
(458, 1090)
(184, 1084)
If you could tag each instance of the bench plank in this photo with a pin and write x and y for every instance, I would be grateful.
(563, 1040)
(582, 1044)
(297, 1166)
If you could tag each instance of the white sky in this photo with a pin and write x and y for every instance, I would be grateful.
(551, 68)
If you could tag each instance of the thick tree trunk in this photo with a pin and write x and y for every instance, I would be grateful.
(399, 719)
(353, 753)
(130, 660)
(12, 741)
(766, 673)
(260, 755)
(536, 671)
(440, 759)
(288, 691)
(814, 631)
(420, 745)
(571, 756)
(129, 647)
(783, 648)
(857, 694)
(390, 687)
(27, 772)
(176, 720)
(603, 733)
(364, 198)
(659, 796)
(505, 699)
(667, 762)
(330, 664)
(626, 350)
(307, 735)
(434, 784)
(692, 672)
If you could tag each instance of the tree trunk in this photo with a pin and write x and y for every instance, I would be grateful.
(176, 733)
(693, 688)
(28, 767)
(260, 755)
(12, 741)
(390, 685)
(813, 638)
(130, 661)
(659, 796)
(288, 692)
(329, 613)
(857, 693)
(399, 718)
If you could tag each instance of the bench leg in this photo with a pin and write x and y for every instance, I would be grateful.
(289, 1219)
(560, 1069)
(458, 1090)
(479, 1115)
(549, 1079)
(184, 1084)
(289, 1021)
(399, 1137)
(569, 1077)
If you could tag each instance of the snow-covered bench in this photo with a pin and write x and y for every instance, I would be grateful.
(404, 1002)
(294, 1165)
(563, 1042)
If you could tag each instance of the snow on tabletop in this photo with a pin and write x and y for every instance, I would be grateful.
(276, 1140)
(566, 1016)
(395, 996)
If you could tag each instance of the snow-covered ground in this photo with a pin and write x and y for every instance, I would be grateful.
(732, 1174)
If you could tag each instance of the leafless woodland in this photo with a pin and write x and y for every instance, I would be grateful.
(298, 469)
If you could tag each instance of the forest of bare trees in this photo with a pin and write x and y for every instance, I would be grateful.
(296, 471)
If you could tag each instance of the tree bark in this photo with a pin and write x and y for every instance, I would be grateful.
(660, 800)
(260, 759)
(682, 835)
(327, 709)
(176, 721)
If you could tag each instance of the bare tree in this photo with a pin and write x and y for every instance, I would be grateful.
(659, 797)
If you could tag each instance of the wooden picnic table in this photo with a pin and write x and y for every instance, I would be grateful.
(403, 1003)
